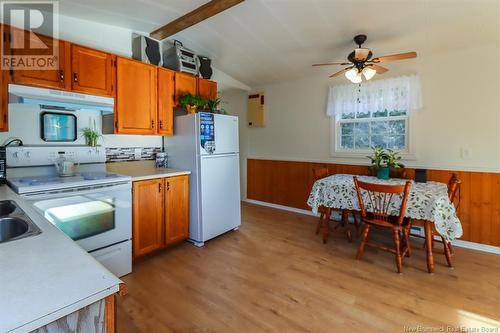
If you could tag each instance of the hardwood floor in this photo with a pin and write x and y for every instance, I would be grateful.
(275, 275)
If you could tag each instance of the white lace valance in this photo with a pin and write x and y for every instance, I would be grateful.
(395, 94)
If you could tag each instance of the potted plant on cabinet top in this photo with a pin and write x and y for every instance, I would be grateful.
(191, 102)
(396, 168)
(212, 104)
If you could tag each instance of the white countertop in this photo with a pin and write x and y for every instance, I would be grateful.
(143, 170)
(47, 276)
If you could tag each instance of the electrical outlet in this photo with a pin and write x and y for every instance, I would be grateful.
(137, 153)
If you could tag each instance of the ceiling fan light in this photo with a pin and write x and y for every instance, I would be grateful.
(369, 73)
(361, 54)
(351, 74)
(357, 78)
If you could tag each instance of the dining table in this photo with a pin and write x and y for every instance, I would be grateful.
(427, 203)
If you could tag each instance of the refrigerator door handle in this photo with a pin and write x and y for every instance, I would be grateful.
(219, 155)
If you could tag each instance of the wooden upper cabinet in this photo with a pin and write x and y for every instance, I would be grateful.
(4, 105)
(148, 216)
(93, 71)
(184, 84)
(176, 209)
(136, 97)
(166, 91)
(207, 89)
(58, 78)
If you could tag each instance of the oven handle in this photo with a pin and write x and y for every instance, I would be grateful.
(79, 191)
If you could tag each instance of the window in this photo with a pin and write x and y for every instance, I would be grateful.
(373, 114)
(358, 132)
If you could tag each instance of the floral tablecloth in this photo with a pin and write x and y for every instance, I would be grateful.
(426, 201)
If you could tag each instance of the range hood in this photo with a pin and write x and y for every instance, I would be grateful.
(57, 99)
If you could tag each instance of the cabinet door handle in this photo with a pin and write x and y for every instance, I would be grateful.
(75, 77)
(152, 124)
(161, 124)
(168, 186)
(159, 187)
(61, 75)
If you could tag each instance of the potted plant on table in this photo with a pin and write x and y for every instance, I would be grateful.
(396, 168)
(191, 102)
(378, 165)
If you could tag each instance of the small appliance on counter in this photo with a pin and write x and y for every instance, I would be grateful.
(65, 166)
(92, 206)
(161, 160)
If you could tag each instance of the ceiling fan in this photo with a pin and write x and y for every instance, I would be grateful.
(362, 64)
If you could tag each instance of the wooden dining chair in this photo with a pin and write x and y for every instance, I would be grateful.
(325, 212)
(380, 197)
(454, 185)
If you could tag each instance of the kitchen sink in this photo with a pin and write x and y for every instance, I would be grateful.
(7, 207)
(14, 223)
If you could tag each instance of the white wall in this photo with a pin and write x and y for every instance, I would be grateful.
(234, 102)
(461, 95)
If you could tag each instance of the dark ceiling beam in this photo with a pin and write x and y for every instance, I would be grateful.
(201, 13)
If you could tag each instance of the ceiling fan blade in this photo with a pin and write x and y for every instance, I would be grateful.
(378, 69)
(333, 63)
(395, 57)
(341, 72)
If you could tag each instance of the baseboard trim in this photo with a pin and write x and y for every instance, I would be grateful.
(271, 205)
(476, 246)
(457, 242)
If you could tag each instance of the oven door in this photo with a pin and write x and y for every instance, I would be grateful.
(95, 217)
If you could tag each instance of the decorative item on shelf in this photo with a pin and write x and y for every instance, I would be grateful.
(205, 67)
(91, 135)
(191, 102)
(396, 169)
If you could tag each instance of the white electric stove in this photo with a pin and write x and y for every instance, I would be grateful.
(93, 207)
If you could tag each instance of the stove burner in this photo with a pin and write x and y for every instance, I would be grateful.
(40, 181)
(98, 175)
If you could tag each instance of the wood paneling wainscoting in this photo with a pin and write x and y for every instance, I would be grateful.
(288, 183)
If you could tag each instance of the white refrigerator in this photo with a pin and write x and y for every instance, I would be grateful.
(207, 144)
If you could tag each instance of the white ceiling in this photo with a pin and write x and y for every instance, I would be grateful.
(264, 41)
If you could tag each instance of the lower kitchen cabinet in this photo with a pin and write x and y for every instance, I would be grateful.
(176, 209)
(147, 216)
(160, 213)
